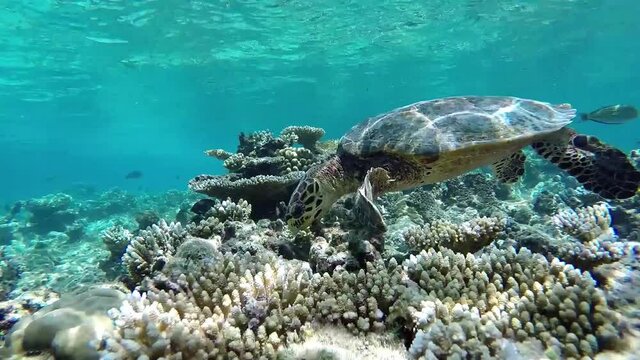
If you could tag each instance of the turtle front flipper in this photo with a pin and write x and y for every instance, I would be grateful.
(511, 168)
(599, 167)
(365, 211)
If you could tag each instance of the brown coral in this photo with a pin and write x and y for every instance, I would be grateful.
(467, 237)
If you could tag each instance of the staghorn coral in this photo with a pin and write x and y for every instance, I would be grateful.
(152, 248)
(467, 237)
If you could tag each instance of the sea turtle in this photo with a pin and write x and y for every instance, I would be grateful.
(435, 140)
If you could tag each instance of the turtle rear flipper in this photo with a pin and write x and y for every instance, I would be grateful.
(366, 212)
(511, 168)
(599, 167)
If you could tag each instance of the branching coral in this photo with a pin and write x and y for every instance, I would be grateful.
(585, 224)
(597, 243)
(520, 294)
(213, 222)
(455, 305)
(233, 308)
(469, 236)
(116, 239)
(151, 249)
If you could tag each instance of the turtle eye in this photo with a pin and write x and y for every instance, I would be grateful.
(297, 210)
(580, 141)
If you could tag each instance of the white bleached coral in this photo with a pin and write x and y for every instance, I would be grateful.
(587, 223)
(151, 249)
(596, 243)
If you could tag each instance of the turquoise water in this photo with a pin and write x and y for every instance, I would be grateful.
(91, 90)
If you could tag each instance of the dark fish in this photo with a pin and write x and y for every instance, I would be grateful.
(612, 114)
(15, 209)
(202, 206)
(136, 174)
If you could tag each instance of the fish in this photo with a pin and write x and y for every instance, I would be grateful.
(135, 174)
(612, 114)
(106, 40)
(202, 206)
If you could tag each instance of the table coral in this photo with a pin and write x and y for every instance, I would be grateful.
(264, 192)
(51, 213)
(306, 136)
(264, 170)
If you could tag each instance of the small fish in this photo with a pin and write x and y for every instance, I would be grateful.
(612, 114)
(106, 40)
(135, 174)
(202, 206)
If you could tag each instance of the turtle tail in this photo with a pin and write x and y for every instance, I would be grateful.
(599, 167)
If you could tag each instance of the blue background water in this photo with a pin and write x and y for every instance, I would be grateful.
(90, 90)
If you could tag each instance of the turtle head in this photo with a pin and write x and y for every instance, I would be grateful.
(311, 199)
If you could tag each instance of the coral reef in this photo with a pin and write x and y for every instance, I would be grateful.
(264, 170)
(9, 274)
(27, 303)
(252, 306)
(51, 213)
(468, 269)
(516, 294)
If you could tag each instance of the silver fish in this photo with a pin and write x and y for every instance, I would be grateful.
(612, 114)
